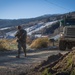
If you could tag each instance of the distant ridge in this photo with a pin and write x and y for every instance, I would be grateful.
(44, 18)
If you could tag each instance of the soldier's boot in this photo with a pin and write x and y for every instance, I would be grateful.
(17, 56)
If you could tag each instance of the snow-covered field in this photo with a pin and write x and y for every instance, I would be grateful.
(39, 27)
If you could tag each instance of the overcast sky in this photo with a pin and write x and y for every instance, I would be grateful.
(18, 9)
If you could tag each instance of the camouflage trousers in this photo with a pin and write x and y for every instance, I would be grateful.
(21, 46)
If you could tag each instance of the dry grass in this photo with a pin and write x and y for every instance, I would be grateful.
(4, 45)
(40, 43)
(7, 44)
(29, 40)
(11, 44)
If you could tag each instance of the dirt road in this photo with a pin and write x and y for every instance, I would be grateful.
(10, 65)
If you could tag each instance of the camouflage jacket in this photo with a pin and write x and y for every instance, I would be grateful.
(21, 35)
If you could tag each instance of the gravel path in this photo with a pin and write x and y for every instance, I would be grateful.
(10, 65)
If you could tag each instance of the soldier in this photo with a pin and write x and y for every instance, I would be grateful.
(21, 39)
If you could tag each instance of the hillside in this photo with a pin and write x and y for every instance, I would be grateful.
(43, 25)
(15, 22)
(32, 21)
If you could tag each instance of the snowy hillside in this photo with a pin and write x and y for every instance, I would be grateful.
(39, 27)
(31, 29)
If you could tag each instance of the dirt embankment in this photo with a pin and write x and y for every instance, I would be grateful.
(51, 61)
(56, 65)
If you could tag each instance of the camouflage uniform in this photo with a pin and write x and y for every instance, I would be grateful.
(21, 35)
